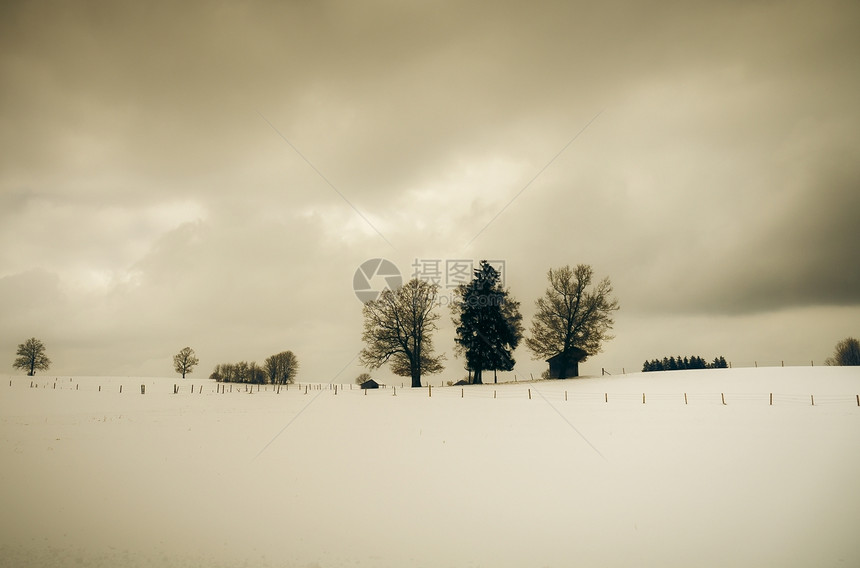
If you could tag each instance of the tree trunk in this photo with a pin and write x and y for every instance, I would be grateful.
(478, 379)
(415, 367)
(495, 377)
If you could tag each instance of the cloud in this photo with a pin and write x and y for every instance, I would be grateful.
(139, 172)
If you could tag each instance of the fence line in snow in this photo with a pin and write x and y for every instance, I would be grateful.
(485, 392)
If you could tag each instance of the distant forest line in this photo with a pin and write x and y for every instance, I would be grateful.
(683, 363)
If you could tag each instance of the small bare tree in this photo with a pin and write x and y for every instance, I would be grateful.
(362, 378)
(185, 361)
(31, 357)
(847, 353)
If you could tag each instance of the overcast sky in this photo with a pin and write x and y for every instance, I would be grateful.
(213, 174)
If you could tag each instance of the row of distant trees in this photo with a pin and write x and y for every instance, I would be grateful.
(485, 339)
(398, 326)
(682, 363)
(279, 369)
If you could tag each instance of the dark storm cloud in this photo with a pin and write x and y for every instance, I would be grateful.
(720, 176)
(807, 255)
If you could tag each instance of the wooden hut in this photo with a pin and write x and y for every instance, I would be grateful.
(566, 364)
(369, 384)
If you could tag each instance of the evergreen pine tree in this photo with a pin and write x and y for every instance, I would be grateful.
(488, 323)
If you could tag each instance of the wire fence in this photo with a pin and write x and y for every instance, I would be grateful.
(509, 391)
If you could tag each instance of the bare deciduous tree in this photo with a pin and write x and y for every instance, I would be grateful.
(362, 378)
(31, 357)
(572, 313)
(398, 327)
(282, 368)
(185, 361)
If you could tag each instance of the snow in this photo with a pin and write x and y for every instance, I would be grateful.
(479, 476)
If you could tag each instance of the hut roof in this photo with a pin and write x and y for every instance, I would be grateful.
(572, 354)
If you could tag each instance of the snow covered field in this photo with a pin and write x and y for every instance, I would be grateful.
(483, 476)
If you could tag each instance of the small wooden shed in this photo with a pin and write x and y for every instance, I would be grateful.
(566, 364)
(369, 384)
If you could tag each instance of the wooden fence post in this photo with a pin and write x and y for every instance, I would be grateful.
(429, 390)
(142, 389)
(565, 396)
(723, 397)
(606, 397)
(685, 398)
(812, 399)
(643, 398)
(462, 392)
(530, 394)
(120, 388)
(771, 399)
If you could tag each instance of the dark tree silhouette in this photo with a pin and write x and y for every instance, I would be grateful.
(693, 362)
(281, 368)
(489, 324)
(31, 357)
(241, 372)
(846, 353)
(398, 327)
